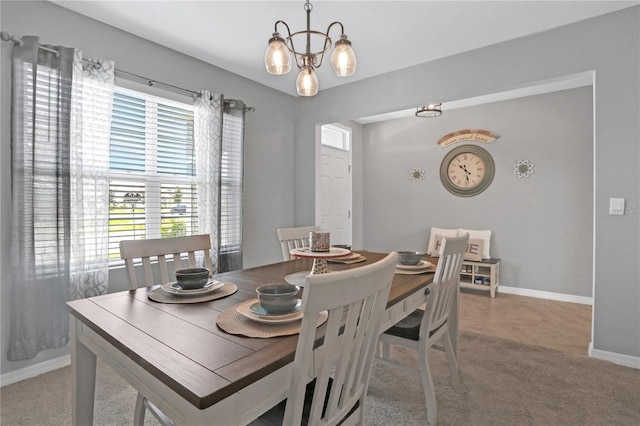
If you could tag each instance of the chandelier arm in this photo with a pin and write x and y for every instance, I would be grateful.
(298, 58)
(327, 40)
(335, 23)
(275, 27)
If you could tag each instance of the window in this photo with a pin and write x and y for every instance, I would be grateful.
(335, 137)
(152, 190)
(152, 185)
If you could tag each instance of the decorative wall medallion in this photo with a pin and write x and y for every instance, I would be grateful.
(467, 135)
(523, 168)
(416, 174)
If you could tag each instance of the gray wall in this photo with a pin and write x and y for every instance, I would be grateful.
(280, 144)
(550, 212)
(607, 45)
(269, 137)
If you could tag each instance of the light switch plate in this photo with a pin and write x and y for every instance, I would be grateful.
(616, 206)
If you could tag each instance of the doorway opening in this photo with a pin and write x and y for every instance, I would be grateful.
(333, 186)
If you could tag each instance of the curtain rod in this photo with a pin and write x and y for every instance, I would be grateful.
(152, 82)
(5, 36)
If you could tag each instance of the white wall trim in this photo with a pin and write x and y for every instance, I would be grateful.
(616, 358)
(553, 85)
(547, 295)
(34, 370)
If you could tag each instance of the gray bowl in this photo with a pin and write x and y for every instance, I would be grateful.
(192, 278)
(279, 298)
(409, 257)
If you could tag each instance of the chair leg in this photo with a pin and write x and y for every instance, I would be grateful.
(162, 418)
(451, 358)
(138, 414)
(427, 384)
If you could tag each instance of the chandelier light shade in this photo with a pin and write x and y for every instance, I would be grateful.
(277, 58)
(429, 111)
(307, 82)
(343, 58)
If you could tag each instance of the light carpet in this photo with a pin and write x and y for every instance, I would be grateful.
(501, 383)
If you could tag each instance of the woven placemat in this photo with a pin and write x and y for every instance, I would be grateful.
(159, 295)
(233, 322)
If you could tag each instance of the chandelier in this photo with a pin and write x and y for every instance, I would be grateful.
(278, 61)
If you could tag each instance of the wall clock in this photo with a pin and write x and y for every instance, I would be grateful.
(467, 170)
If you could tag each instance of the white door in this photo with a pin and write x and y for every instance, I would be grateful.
(335, 191)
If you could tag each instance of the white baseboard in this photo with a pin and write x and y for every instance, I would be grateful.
(616, 358)
(34, 370)
(546, 295)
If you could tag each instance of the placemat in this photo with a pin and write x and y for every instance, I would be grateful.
(233, 322)
(159, 295)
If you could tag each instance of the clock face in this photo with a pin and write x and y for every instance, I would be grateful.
(467, 170)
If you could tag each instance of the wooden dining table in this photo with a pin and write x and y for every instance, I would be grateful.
(176, 355)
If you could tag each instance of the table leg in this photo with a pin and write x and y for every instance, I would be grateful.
(455, 322)
(320, 266)
(83, 378)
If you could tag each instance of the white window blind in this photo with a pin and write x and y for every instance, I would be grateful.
(44, 160)
(152, 192)
(231, 184)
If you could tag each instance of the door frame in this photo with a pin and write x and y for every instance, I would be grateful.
(318, 147)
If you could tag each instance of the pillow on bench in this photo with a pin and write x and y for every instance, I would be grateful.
(433, 249)
(435, 232)
(484, 235)
(474, 248)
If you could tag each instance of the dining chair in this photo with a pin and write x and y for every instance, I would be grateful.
(291, 238)
(179, 249)
(422, 329)
(159, 250)
(355, 300)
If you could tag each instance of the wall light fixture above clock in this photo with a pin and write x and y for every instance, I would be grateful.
(429, 111)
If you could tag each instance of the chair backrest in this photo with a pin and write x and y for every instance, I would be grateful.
(446, 283)
(291, 238)
(355, 300)
(161, 248)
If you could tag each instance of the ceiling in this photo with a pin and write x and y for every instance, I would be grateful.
(385, 35)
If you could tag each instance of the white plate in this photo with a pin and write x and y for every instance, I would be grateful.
(421, 265)
(352, 256)
(297, 278)
(257, 309)
(307, 252)
(173, 288)
(416, 272)
(245, 311)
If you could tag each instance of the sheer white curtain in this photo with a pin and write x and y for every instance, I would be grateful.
(208, 155)
(56, 193)
(91, 109)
